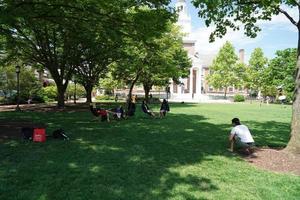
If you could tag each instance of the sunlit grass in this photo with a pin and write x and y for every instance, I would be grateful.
(183, 156)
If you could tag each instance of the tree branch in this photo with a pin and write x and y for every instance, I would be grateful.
(288, 16)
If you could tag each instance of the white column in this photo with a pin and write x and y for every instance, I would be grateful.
(191, 83)
(198, 82)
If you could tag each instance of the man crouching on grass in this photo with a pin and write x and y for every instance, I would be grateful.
(241, 137)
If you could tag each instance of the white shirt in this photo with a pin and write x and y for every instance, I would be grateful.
(243, 133)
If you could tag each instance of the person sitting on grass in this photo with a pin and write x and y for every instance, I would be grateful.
(100, 112)
(104, 114)
(241, 137)
(119, 113)
(164, 108)
(146, 109)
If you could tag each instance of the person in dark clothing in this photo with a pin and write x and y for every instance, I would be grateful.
(119, 113)
(164, 108)
(146, 109)
(130, 108)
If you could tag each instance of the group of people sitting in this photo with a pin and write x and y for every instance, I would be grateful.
(119, 113)
(164, 108)
(104, 114)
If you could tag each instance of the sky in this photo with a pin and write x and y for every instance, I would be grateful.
(277, 34)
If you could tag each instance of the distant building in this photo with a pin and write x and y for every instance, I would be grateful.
(195, 88)
(189, 88)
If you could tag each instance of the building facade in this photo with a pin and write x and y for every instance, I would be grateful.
(191, 88)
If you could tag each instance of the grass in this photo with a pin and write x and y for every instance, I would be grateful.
(183, 156)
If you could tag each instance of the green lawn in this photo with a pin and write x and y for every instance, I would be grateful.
(180, 157)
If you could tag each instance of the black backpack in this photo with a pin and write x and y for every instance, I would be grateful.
(27, 133)
(60, 134)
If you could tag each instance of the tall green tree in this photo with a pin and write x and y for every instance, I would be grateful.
(256, 70)
(225, 69)
(137, 51)
(235, 14)
(166, 60)
(280, 71)
(49, 33)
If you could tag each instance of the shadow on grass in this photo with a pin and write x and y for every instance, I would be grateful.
(270, 133)
(133, 159)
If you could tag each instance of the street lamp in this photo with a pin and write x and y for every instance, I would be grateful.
(74, 80)
(18, 70)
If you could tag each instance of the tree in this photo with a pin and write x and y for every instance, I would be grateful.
(49, 33)
(166, 60)
(137, 51)
(234, 14)
(280, 71)
(29, 84)
(256, 70)
(95, 59)
(225, 69)
(108, 83)
(45, 33)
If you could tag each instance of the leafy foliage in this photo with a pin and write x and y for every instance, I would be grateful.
(281, 70)
(53, 33)
(29, 84)
(225, 70)
(166, 60)
(238, 98)
(256, 70)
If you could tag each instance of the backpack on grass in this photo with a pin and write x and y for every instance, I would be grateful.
(27, 133)
(60, 134)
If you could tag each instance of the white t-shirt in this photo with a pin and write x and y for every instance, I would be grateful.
(243, 133)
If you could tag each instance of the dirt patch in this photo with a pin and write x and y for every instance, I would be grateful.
(275, 160)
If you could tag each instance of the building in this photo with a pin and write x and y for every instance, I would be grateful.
(195, 88)
(189, 89)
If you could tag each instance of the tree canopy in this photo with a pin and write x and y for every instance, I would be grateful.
(256, 69)
(52, 33)
(224, 71)
(280, 71)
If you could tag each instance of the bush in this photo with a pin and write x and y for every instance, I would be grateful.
(104, 97)
(238, 98)
(48, 94)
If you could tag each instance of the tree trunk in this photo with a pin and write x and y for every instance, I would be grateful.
(294, 143)
(131, 87)
(225, 93)
(147, 89)
(60, 95)
(88, 89)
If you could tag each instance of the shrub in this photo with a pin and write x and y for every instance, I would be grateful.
(238, 98)
(48, 93)
(104, 97)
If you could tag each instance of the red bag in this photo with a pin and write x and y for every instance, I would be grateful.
(39, 135)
